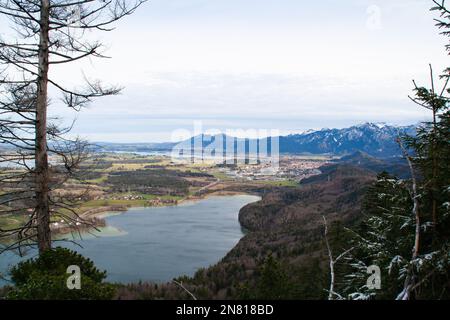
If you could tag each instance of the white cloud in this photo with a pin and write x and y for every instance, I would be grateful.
(285, 64)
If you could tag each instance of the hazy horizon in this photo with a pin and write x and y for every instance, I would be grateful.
(185, 133)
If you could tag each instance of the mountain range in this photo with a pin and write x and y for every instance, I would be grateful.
(372, 138)
(375, 139)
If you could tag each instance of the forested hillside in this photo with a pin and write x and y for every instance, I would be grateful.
(284, 238)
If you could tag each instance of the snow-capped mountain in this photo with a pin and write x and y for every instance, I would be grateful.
(376, 139)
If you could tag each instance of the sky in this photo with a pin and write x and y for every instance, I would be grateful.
(289, 65)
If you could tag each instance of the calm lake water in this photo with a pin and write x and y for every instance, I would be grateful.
(160, 243)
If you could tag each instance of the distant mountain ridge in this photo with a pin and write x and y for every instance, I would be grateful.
(375, 139)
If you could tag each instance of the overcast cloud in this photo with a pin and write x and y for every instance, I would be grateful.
(290, 65)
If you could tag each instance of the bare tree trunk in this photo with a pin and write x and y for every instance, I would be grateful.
(415, 210)
(410, 279)
(330, 256)
(180, 284)
(44, 29)
(41, 160)
(433, 190)
(331, 292)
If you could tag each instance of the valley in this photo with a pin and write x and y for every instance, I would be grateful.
(118, 181)
(285, 225)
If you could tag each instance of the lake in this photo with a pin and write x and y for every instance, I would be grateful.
(160, 243)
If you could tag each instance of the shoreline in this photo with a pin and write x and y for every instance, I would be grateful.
(95, 217)
(101, 213)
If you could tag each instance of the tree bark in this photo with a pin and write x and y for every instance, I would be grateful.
(41, 160)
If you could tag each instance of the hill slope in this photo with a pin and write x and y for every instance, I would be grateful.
(286, 223)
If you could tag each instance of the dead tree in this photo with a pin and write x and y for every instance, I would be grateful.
(410, 279)
(332, 262)
(180, 284)
(48, 32)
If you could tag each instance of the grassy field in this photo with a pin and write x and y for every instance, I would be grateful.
(221, 175)
(10, 221)
(100, 180)
(283, 183)
(129, 203)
